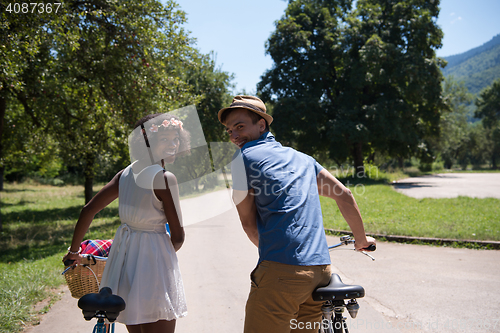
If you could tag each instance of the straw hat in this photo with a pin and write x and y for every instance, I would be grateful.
(250, 103)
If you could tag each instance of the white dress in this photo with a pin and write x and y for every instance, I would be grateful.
(142, 266)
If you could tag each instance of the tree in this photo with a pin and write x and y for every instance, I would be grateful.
(22, 38)
(108, 63)
(455, 132)
(354, 81)
(488, 109)
(211, 86)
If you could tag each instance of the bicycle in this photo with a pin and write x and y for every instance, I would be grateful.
(102, 305)
(334, 295)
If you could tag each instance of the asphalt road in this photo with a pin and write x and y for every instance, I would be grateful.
(409, 288)
(451, 185)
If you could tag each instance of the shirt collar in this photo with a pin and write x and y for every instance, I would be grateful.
(265, 137)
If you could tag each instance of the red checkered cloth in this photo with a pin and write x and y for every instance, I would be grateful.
(97, 247)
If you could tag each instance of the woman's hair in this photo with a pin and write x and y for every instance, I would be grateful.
(148, 136)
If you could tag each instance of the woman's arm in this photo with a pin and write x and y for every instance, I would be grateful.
(167, 190)
(102, 199)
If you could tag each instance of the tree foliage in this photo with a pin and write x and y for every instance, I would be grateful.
(211, 86)
(96, 67)
(455, 132)
(354, 81)
(488, 109)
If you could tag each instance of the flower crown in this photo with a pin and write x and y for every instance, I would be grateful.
(172, 122)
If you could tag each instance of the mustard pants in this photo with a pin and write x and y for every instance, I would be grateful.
(280, 298)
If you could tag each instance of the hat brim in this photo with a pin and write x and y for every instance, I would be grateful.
(266, 116)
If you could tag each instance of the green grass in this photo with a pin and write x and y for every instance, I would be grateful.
(24, 284)
(38, 223)
(388, 212)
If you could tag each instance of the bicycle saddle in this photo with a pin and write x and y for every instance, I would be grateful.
(336, 289)
(104, 301)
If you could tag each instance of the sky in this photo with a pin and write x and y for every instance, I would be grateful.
(237, 30)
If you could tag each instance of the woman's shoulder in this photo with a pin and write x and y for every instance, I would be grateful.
(163, 178)
(116, 178)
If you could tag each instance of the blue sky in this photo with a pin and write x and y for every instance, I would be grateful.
(236, 30)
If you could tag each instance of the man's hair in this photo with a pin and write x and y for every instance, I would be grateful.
(254, 116)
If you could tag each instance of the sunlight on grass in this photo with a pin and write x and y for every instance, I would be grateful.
(388, 212)
(18, 297)
(38, 223)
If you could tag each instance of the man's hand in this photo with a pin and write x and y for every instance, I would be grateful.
(362, 245)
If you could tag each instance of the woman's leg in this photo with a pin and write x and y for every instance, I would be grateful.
(161, 326)
(134, 328)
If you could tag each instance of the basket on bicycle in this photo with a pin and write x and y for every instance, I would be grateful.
(85, 278)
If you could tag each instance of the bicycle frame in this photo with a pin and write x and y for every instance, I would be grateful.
(332, 310)
(102, 326)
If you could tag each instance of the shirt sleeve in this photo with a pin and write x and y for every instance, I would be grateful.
(318, 167)
(238, 173)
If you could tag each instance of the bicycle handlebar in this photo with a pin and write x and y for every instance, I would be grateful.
(68, 264)
(372, 247)
(346, 240)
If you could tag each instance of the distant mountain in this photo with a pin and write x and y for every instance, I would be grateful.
(478, 68)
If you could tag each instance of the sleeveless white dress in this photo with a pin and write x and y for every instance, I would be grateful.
(142, 266)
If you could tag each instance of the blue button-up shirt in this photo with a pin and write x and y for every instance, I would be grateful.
(289, 217)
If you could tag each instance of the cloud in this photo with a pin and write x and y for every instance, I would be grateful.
(457, 19)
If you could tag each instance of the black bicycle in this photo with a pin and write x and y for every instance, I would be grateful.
(335, 295)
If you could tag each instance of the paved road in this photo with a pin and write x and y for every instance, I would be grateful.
(451, 185)
(409, 288)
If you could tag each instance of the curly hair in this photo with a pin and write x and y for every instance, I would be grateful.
(140, 140)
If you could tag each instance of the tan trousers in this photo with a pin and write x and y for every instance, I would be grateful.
(280, 298)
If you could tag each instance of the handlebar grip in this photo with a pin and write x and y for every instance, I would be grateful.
(372, 247)
(68, 262)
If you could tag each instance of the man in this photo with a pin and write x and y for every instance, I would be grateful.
(276, 191)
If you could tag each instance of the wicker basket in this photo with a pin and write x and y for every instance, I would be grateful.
(85, 278)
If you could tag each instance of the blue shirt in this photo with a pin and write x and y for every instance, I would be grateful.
(289, 218)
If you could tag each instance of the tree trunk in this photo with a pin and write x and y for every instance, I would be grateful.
(89, 173)
(357, 154)
(89, 182)
(3, 107)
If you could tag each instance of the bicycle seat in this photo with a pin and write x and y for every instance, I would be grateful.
(104, 301)
(336, 289)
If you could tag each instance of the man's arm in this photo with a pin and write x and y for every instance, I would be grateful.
(330, 187)
(247, 210)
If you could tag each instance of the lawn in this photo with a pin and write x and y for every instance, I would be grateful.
(38, 222)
